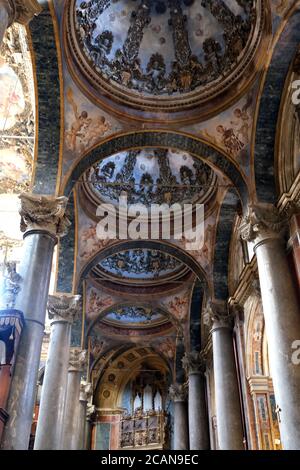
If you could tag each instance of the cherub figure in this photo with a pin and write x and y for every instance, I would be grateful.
(81, 122)
(97, 128)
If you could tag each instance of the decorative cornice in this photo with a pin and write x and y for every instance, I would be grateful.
(11, 284)
(44, 213)
(194, 362)
(23, 11)
(178, 392)
(289, 203)
(77, 360)
(262, 222)
(86, 391)
(63, 307)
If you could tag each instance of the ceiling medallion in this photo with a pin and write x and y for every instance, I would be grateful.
(163, 56)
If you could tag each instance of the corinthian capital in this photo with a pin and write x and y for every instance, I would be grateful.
(44, 213)
(217, 315)
(262, 222)
(63, 307)
(86, 391)
(77, 360)
(178, 392)
(194, 362)
(22, 11)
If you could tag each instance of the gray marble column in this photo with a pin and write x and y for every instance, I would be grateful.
(71, 430)
(42, 220)
(86, 393)
(178, 394)
(227, 398)
(61, 309)
(88, 428)
(264, 226)
(21, 11)
(194, 365)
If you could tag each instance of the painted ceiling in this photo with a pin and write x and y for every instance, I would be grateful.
(140, 264)
(152, 176)
(163, 47)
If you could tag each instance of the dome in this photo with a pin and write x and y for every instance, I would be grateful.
(151, 176)
(140, 266)
(162, 54)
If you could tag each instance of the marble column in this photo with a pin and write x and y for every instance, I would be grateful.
(178, 394)
(71, 430)
(227, 398)
(62, 310)
(88, 428)
(264, 227)
(86, 393)
(21, 11)
(43, 220)
(194, 364)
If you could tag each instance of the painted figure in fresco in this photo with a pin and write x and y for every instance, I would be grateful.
(81, 120)
(97, 128)
(84, 131)
(230, 140)
(242, 120)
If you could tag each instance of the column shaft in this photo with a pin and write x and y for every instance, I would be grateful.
(71, 416)
(198, 418)
(35, 270)
(282, 317)
(181, 431)
(228, 410)
(51, 414)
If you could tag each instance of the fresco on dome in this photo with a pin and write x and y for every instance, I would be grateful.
(134, 315)
(140, 264)
(151, 176)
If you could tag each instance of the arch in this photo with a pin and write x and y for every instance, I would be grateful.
(47, 64)
(163, 139)
(222, 246)
(269, 108)
(165, 247)
(106, 311)
(195, 316)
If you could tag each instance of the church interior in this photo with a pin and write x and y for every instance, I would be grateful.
(144, 343)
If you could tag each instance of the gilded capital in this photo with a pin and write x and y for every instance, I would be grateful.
(44, 213)
(194, 362)
(23, 11)
(178, 392)
(86, 391)
(77, 359)
(262, 222)
(63, 307)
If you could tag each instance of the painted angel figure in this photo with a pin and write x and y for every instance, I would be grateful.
(80, 122)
